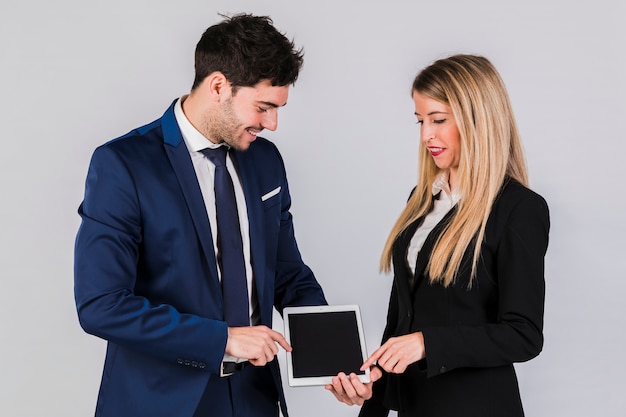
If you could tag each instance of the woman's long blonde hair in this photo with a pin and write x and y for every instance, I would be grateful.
(491, 149)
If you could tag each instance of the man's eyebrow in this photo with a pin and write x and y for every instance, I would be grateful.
(270, 104)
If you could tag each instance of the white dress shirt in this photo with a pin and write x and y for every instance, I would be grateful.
(447, 199)
(205, 172)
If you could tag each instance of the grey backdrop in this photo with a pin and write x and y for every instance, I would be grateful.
(77, 73)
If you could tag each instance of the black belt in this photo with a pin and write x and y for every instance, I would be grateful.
(229, 368)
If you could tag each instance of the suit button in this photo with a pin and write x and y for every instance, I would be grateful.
(187, 362)
(201, 365)
(408, 313)
(442, 369)
(194, 364)
(180, 361)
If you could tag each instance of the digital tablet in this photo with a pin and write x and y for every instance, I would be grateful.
(326, 340)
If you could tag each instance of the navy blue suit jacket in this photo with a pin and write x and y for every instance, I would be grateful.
(146, 275)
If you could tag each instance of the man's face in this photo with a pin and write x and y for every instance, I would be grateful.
(241, 116)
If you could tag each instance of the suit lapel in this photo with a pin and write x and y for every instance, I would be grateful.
(178, 155)
(429, 243)
(402, 271)
(246, 171)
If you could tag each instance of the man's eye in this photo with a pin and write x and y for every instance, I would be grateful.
(263, 110)
(419, 122)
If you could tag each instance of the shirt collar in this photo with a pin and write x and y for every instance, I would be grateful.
(441, 184)
(194, 140)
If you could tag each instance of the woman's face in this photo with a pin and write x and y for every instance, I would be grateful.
(439, 132)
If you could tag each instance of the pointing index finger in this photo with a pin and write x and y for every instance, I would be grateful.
(280, 339)
(372, 359)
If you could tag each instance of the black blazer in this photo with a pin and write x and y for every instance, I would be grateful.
(472, 336)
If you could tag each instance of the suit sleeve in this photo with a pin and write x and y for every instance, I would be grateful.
(107, 260)
(374, 407)
(516, 336)
(295, 283)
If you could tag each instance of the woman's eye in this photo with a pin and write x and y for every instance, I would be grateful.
(439, 121)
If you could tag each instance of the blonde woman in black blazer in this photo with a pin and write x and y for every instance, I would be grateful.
(461, 313)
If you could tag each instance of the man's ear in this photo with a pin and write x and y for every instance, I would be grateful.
(217, 86)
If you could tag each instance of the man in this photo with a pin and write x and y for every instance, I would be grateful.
(154, 253)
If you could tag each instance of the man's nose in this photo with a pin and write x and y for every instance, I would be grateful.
(270, 121)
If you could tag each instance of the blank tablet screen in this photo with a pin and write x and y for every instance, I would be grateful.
(324, 344)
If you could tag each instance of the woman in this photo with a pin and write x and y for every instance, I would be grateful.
(468, 259)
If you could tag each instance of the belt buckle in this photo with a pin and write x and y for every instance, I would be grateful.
(233, 368)
(224, 374)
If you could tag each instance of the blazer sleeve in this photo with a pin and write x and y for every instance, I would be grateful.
(518, 246)
(295, 283)
(106, 264)
(374, 407)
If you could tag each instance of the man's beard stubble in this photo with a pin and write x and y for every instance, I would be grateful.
(223, 127)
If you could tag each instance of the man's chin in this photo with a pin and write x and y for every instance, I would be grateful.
(242, 145)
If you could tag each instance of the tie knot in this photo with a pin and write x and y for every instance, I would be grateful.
(216, 155)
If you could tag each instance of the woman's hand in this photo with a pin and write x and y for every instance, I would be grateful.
(350, 390)
(397, 353)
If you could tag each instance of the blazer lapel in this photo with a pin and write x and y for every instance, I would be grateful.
(254, 207)
(427, 247)
(402, 272)
(178, 155)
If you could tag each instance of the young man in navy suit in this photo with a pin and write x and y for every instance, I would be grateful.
(152, 259)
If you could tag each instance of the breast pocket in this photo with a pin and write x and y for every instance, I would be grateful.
(271, 198)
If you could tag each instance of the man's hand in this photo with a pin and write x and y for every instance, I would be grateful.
(257, 344)
(350, 390)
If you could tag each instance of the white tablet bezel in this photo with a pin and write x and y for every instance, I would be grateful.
(322, 380)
